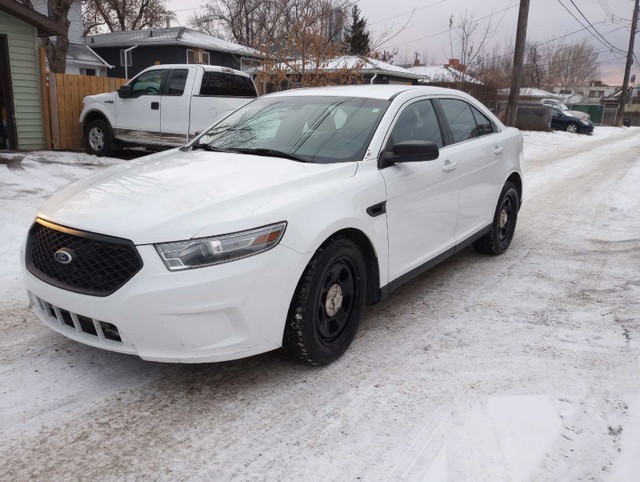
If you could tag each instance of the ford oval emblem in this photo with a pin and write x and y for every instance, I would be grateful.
(63, 256)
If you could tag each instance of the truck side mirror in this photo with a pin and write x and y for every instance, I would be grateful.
(125, 91)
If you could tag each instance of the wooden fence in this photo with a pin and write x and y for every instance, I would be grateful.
(63, 103)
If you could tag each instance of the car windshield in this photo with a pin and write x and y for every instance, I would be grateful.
(318, 129)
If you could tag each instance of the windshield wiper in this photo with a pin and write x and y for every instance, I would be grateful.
(273, 153)
(210, 148)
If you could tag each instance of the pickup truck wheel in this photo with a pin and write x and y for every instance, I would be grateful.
(327, 306)
(98, 138)
(498, 239)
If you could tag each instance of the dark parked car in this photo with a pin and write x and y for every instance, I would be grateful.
(563, 121)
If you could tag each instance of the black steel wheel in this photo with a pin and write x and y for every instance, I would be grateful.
(503, 227)
(327, 306)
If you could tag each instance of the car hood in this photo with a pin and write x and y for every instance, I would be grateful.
(176, 195)
(100, 97)
(579, 115)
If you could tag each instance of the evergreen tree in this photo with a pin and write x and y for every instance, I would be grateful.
(357, 40)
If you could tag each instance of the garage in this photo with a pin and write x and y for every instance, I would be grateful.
(21, 121)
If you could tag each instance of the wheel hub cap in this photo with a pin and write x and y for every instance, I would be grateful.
(504, 217)
(334, 300)
(96, 139)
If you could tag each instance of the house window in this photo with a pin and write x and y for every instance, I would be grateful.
(596, 93)
(84, 71)
(198, 56)
(126, 58)
(248, 64)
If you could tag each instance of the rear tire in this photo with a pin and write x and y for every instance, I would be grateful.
(327, 306)
(98, 138)
(499, 238)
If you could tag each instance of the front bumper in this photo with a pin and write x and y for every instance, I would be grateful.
(211, 314)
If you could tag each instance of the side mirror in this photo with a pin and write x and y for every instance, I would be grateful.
(125, 91)
(411, 151)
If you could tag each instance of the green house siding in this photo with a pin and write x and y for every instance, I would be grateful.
(25, 77)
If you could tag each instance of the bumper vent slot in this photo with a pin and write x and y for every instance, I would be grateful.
(80, 261)
(79, 324)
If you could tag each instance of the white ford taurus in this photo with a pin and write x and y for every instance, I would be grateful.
(276, 226)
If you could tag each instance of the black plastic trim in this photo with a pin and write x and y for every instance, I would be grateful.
(393, 285)
(82, 234)
(377, 209)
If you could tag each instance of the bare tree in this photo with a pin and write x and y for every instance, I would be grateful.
(466, 39)
(534, 70)
(573, 65)
(56, 48)
(119, 15)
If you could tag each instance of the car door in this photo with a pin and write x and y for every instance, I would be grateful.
(422, 200)
(477, 154)
(176, 99)
(138, 117)
(558, 120)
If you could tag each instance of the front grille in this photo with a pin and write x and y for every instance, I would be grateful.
(96, 265)
(81, 325)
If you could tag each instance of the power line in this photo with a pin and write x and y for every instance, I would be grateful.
(406, 13)
(560, 38)
(578, 20)
(594, 29)
(456, 28)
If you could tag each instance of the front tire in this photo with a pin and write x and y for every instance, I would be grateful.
(573, 128)
(98, 138)
(498, 239)
(327, 306)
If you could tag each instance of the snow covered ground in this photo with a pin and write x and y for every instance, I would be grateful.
(521, 367)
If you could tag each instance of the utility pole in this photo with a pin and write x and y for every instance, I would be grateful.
(518, 60)
(627, 69)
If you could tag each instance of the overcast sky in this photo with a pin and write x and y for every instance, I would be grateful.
(547, 20)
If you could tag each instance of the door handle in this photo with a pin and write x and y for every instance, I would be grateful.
(155, 105)
(498, 150)
(449, 166)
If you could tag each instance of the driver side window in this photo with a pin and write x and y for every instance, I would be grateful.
(148, 83)
(417, 122)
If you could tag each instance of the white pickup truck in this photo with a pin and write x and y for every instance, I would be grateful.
(164, 105)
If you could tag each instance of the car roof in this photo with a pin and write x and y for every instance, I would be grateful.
(377, 91)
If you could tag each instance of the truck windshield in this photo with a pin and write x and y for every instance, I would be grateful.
(317, 129)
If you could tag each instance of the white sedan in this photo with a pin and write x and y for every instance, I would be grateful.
(276, 226)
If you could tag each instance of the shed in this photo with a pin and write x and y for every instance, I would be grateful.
(21, 119)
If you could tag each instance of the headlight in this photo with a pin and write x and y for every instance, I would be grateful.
(196, 253)
(586, 122)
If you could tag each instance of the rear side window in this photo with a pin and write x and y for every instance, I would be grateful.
(417, 122)
(228, 85)
(461, 120)
(485, 126)
(177, 82)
